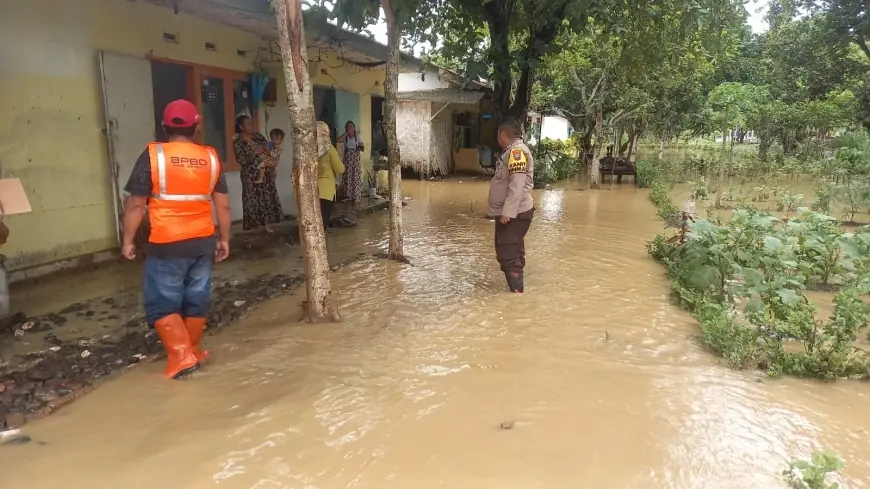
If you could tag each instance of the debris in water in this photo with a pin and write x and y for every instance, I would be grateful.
(13, 437)
(506, 425)
(19, 332)
(28, 325)
(54, 349)
(86, 354)
(606, 336)
(239, 303)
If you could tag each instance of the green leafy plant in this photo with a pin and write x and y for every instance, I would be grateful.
(762, 193)
(665, 207)
(813, 473)
(647, 172)
(764, 265)
(788, 202)
(824, 197)
(851, 196)
(555, 161)
(724, 335)
(701, 189)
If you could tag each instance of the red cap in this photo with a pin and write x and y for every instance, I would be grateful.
(180, 113)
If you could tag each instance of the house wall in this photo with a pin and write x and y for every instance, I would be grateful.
(428, 80)
(51, 111)
(412, 128)
(441, 140)
(555, 127)
(335, 73)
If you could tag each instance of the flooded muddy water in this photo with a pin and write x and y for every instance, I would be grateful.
(596, 374)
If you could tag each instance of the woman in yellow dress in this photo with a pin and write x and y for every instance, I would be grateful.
(329, 166)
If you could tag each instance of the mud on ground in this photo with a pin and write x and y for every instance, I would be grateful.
(50, 359)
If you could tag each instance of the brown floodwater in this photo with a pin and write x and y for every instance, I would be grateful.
(597, 374)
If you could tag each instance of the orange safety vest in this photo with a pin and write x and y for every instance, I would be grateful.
(183, 177)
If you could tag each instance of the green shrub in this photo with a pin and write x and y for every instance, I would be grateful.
(813, 474)
(824, 196)
(543, 176)
(764, 265)
(647, 173)
(660, 249)
(554, 161)
(665, 208)
(736, 343)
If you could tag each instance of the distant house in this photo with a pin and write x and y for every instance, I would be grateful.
(444, 122)
(551, 126)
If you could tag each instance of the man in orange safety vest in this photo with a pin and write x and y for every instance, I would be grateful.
(179, 181)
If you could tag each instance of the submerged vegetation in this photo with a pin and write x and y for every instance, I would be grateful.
(813, 473)
(745, 279)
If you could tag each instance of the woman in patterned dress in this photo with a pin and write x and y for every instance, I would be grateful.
(261, 207)
(352, 179)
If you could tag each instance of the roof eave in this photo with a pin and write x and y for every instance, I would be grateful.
(263, 23)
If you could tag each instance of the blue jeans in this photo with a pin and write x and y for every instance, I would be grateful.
(176, 286)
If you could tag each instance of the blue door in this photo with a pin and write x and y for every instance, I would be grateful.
(346, 109)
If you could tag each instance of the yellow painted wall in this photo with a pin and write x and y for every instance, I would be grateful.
(51, 109)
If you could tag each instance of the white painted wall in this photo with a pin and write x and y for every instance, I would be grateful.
(555, 127)
(409, 82)
(277, 116)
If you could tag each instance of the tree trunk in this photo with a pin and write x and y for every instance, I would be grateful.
(320, 306)
(721, 182)
(391, 88)
(661, 146)
(586, 143)
(632, 146)
(498, 16)
(523, 98)
(763, 147)
(594, 173)
(617, 142)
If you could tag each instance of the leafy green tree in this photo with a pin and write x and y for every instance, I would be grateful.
(847, 21)
(732, 105)
(508, 41)
(648, 74)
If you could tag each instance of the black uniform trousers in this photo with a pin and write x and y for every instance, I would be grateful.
(510, 246)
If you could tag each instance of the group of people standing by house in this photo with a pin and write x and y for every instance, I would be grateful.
(179, 183)
(258, 159)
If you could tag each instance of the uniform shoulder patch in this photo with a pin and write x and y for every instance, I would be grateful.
(517, 162)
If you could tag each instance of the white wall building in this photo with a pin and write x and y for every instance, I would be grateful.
(553, 127)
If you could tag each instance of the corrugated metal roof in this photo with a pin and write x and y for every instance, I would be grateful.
(443, 96)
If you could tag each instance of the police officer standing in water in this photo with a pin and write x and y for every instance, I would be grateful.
(179, 180)
(510, 201)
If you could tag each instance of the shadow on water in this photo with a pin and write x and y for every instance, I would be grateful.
(595, 372)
